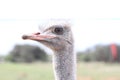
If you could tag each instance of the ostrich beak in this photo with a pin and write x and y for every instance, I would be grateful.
(37, 36)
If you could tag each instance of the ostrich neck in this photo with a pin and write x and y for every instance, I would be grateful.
(65, 64)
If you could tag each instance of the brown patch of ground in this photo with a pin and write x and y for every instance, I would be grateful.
(84, 78)
(112, 78)
(89, 78)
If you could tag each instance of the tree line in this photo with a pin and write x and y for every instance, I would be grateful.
(101, 53)
(27, 53)
(30, 53)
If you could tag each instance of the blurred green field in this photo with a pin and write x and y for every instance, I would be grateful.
(43, 71)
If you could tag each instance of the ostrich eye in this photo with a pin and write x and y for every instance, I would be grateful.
(58, 30)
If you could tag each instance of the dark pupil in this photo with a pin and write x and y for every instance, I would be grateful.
(59, 30)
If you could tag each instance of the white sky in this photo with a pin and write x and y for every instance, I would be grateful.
(94, 21)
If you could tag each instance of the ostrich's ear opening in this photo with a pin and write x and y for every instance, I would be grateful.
(37, 36)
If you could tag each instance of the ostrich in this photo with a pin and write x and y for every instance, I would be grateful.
(59, 38)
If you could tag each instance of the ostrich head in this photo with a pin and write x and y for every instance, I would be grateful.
(56, 37)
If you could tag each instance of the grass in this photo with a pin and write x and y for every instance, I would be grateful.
(43, 71)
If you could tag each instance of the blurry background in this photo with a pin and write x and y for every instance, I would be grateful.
(95, 24)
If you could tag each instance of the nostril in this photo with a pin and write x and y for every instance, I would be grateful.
(36, 33)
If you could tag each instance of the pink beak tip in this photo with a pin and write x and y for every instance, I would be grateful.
(24, 37)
